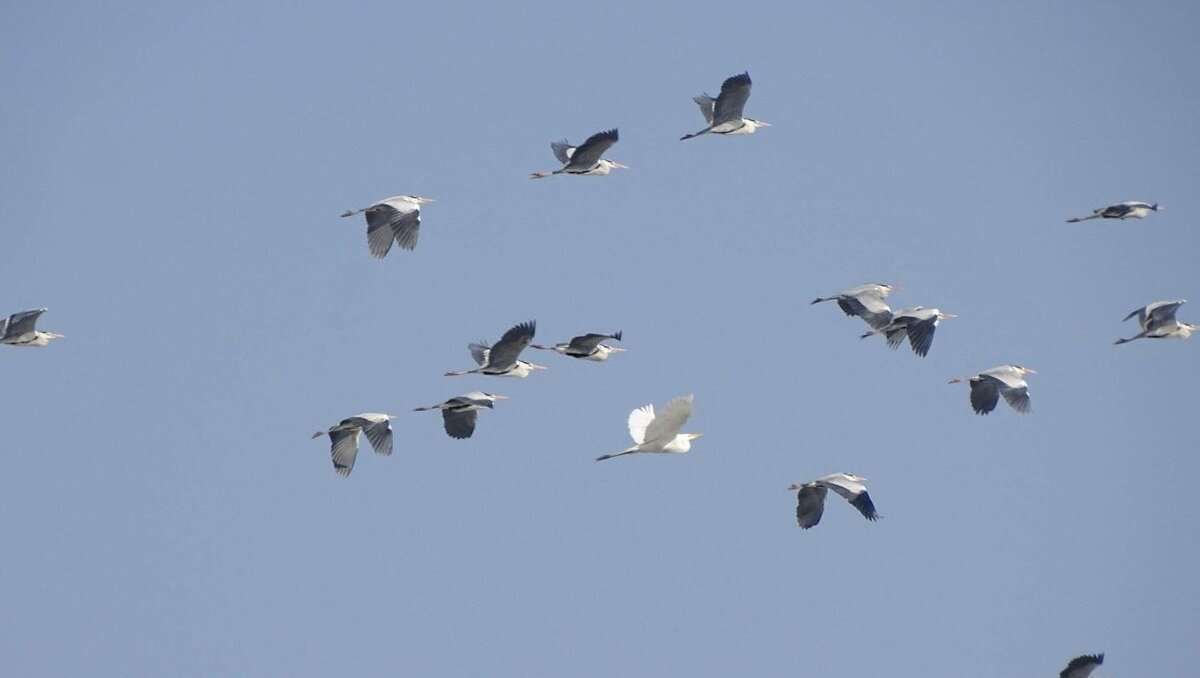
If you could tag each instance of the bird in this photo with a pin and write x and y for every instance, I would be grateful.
(586, 347)
(1005, 380)
(724, 114)
(1082, 666)
(1157, 321)
(460, 412)
(659, 433)
(917, 323)
(502, 358)
(343, 438)
(865, 301)
(19, 329)
(1130, 209)
(396, 218)
(584, 158)
(810, 501)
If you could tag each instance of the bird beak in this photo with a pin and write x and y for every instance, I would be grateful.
(425, 200)
(55, 335)
(949, 315)
(617, 164)
(1030, 370)
(763, 123)
(538, 367)
(693, 436)
(617, 349)
(499, 397)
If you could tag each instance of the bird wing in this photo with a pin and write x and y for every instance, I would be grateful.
(562, 150)
(344, 450)
(1160, 313)
(666, 424)
(460, 424)
(985, 393)
(810, 504)
(734, 93)
(406, 228)
(588, 153)
(852, 491)
(586, 343)
(639, 419)
(504, 353)
(705, 103)
(1082, 666)
(1116, 211)
(870, 307)
(920, 334)
(1018, 398)
(379, 434)
(3, 327)
(479, 352)
(23, 322)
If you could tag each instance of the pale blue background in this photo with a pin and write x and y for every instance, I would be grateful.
(170, 188)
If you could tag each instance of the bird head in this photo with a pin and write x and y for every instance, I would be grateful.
(943, 316)
(857, 479)
(758, 123)
(416, 199)
(1025, 370)
(795, 486)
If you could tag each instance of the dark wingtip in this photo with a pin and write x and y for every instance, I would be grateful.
(617, 335)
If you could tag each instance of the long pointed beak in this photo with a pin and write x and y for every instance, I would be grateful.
(617, 164)
(617, 349)
(763, 123)
(425, 200)
(538, 367)
(949, 315)
(499, 397)
(1030, 370)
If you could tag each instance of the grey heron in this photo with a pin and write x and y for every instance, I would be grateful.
(659, 433)
(460, 412)
(917, 323)
(724, 113)
(1130, 209)
(396, 218)
(810, 500)
(586, 158)
(20, 329)
(1005, 380)
(502, 359)
(1157, 321)
(586, 347)
(1082, 666)
(866, 302)
(343, 438)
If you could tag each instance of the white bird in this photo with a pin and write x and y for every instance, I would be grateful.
(866, 302)
(1130, 209)
(1082, 666)
(724, 113)
(586, 158)
(586, 347)
(659, 433)
(20, 329)
(810, 501)
(502, 358)
(396, 218)
(1157, 321)
(343, 438)
(918, 324)
(460, 412)
(1005, 380)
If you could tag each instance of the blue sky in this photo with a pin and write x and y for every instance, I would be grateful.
(170, 190)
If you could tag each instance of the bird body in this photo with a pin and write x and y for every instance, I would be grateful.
(396, 218)
(1130, 209)
(724, 114)
(867, 302)
(584, 159)
(1157, 320)
(1006, 380)
(918, 324)
(810, 500)
(20, 329)
(586, 347)
(659, 433)
(502, 358)
(1082, 666)
(460, 413)
(343, 438)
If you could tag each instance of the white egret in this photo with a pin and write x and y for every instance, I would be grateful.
(659, 433)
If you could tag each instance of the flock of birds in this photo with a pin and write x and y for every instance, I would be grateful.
(398, 219)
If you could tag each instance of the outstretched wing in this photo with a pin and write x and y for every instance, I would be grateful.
(639, 419)
(705, 103)
(854, 492)
(589, 152)
(920, 335)
(479, 352)
(504, 353)
(666, 424)
(459, 423)
(562, 150)
(379, 435)
(1082, 666)
(810, 505)
(344, 450)
(586, 343)
(985, 393)
(24, 322)
(734, 93)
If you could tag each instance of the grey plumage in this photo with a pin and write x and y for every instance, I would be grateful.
(725, 113)
(866, 302)
(460, 413)
(343, 438)
(1082, 666)
(1006, 380)
(810, 498)
(20, 329)
(392, 219)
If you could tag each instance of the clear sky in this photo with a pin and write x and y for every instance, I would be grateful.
(170, 189)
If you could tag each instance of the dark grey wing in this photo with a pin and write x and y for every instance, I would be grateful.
(379, 229)
(380, 436)
(1115, 211)
(344, 450)
(1018, 398)
(586, 343)
(23, 322)
(562, 150)
(479, 352)
(1082, 666)
(875, 313)
(1134, 313)
(810, 505)
(705, 103)
(1163, 314)
(3, 327)
(985, 393)
(406, 227)
(460, 424)
(865, 506)
(589, 152)
(504, 353)
(734, 93)
(920, 335)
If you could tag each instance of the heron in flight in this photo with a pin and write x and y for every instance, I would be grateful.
(724, 114)
(396, 218)
(1005, 380)
(20, 329)
(917, 323)
(502, 359)
(866, 302)
(586, 347)
(460, 413)
(1130, 209)
(585, 158)
(1157, 321)
(343, 438)
(659, 433)
(810, 502)
(1082, 666)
